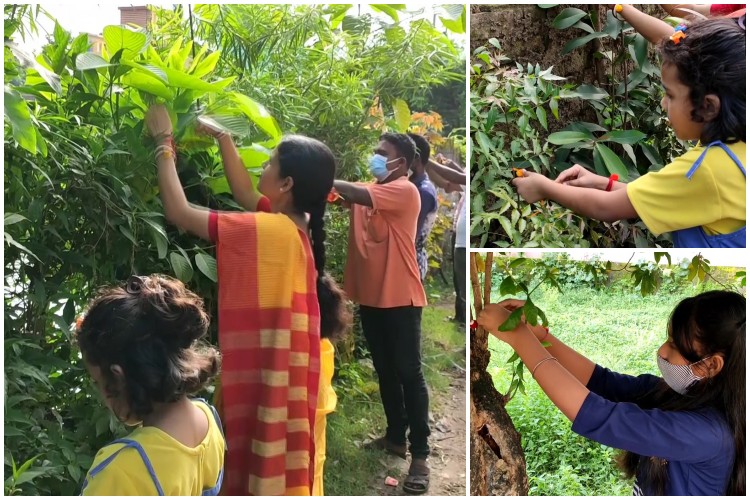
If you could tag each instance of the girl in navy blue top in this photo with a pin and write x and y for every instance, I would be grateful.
(682, 433)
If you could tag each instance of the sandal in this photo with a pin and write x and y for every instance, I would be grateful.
(383, 443)
(418, 480)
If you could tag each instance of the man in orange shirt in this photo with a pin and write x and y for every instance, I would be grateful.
(382, 276)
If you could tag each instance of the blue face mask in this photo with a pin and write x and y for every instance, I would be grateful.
(379, 167)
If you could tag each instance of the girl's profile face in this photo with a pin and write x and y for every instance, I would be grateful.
(669, 352)
(678, 106)
(270, 184)
(118, 405)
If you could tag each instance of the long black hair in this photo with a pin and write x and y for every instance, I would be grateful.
(710, 59)
(312, 166)
(707, 324)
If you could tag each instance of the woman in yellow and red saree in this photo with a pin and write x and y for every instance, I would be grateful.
(274, 299)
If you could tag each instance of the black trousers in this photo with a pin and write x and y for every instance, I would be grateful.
(394, 339)
(459, 281)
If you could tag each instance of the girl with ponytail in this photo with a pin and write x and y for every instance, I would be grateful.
(277, 308)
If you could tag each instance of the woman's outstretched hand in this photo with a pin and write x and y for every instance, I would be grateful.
(158, 122)
(204, 129)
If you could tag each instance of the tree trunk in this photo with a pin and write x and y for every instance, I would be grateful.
(497, 462)
(526, 36)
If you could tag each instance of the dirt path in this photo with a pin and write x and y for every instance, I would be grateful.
(447, 441)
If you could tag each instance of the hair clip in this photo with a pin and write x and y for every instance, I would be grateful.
(134, 285)
(679, 34)
(741, 22)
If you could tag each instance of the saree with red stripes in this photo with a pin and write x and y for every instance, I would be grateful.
(269, 336)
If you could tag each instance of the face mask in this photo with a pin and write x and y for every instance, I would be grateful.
(379, 168)
(679, 377)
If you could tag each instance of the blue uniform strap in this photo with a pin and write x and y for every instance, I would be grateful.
(726, 149)
(215, 490)
(129, 443)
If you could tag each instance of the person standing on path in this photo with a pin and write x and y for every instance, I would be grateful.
(428, 200)
(382, 276)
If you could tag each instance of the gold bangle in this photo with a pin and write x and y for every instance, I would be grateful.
(538, 364)
(165, 150)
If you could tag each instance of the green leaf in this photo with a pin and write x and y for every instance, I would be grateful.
(613, 162)
(160, 237)
(508, 286)
(26, 58)
(17, 113)
(258, 114)
(531, 312)
(207, 265)
(589, 92)
(207, 65)
(553, 106)
(89, 60)
(402, 114)
(254, 156)
(182, 80)
(484, 142)
(579, 42)
(148, 69)
(567, 18)
(69, 312)
(181, 266)
(542, 116)
(513, 358)
(640, 45)
(147, 83)
(512, 322)
(455, 18)
(659, 255)
(569, 137)
(623, 136)
(391, 10)
(131, 42)
(613, 26)
(10, 241)
(11, 218)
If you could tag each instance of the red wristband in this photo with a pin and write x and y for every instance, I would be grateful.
(545, 335)
(612, 179)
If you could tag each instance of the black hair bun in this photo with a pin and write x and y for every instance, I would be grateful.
(171, 311)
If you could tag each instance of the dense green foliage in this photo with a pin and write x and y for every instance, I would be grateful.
(515, 114)
(81, 203)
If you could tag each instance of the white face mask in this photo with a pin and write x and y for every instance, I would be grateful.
(679, 377)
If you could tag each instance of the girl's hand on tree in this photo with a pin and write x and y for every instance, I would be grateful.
(158, 122)
(491, 317)
(512, 304)
(531, 186)
(580, 177)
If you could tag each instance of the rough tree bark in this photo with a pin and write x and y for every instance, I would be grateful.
(526, 35)
(497, 463)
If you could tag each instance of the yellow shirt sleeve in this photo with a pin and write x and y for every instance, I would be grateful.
(125, 475)
(668, 201)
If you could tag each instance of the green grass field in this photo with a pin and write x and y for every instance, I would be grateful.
(615, 328)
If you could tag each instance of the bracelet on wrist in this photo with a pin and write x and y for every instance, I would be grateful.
(612, 179)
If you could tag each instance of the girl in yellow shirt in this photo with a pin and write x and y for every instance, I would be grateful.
(139, 343)
(699, 198)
